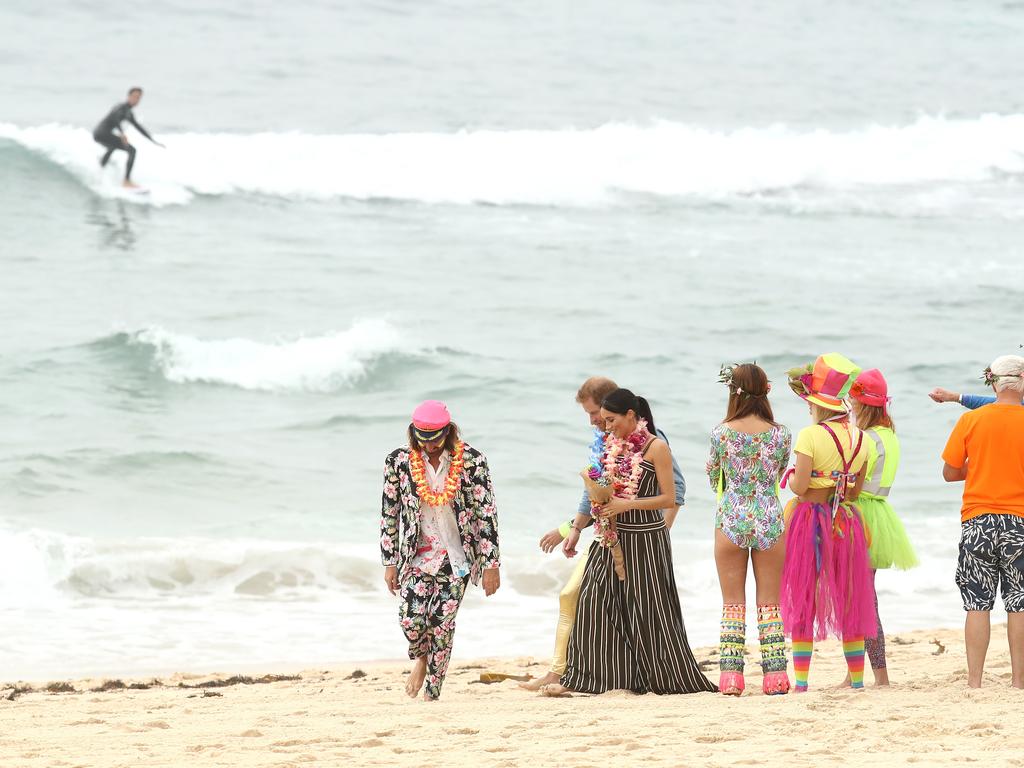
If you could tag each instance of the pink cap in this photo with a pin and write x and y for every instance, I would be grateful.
(870, 388)
(431, 415)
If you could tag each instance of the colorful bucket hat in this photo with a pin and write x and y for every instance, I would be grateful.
(430, 420)
(827, 382)
(871, 389)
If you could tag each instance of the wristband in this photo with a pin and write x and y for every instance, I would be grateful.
(960, 398)
(564, 529)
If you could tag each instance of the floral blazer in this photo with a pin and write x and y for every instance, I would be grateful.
(473, 506)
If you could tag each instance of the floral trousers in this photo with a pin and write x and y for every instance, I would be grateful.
(427, 615)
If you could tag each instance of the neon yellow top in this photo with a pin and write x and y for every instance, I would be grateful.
(883, 446)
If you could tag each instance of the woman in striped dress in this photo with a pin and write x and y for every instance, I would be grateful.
(629, 633)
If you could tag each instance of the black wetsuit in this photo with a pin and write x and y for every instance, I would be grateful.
(104, 134)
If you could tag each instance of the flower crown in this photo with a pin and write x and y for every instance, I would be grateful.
(725, 376)
(991, 378)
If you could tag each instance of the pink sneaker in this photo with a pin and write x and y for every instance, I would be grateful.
(731, 683)
(775, 684)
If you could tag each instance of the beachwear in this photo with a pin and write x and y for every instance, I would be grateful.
(991, 556)
(993, 439)
(424, 547)
(427, 613)
(826, 579)
(570, 594)
(746, 469)
(629, 634)
(890, 547)
(104, 134)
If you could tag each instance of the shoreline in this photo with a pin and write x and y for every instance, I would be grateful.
(358, 711)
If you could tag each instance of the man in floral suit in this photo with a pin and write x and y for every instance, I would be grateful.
(439, 531)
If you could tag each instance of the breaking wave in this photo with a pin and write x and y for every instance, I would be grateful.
(567, 167)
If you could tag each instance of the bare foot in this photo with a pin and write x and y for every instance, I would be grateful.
(130, 184)
(881, 677)
(535, 685)
(555, 691)
(414, 682)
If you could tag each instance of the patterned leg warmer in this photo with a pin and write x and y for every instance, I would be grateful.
(773, 641)
(875, 646)
(733, 637)
(803, 646)
(853, 649)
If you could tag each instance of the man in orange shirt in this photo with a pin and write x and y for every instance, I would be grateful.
(986, 450)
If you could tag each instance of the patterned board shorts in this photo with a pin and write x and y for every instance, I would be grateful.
(991, 555)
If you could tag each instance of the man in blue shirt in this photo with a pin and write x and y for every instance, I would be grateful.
(589, 396)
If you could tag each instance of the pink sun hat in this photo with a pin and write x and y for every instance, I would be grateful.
(871, 389)
(430, 419)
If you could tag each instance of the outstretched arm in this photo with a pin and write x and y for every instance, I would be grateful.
(143, 131)
(940, 395)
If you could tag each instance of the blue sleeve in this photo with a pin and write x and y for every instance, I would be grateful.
(677, 474)
(975, 401)
(584, 508)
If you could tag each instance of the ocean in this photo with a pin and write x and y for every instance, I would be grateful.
(363, 205)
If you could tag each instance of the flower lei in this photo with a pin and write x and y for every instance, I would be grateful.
(621, 470)
(451, 484)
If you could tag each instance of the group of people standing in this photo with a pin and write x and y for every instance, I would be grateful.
(620, 622)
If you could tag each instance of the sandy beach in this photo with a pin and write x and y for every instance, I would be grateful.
(360, 715)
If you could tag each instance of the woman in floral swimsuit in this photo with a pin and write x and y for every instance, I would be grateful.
(749, 453)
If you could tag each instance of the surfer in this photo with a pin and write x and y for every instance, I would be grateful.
(105, 133)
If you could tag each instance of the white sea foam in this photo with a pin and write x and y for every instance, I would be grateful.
(44, 566)
(308, 364)
(561, 167)
(154, 605)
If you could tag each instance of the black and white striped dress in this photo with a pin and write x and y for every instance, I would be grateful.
(629, 634)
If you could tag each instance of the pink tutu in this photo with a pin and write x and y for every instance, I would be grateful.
(826, 579)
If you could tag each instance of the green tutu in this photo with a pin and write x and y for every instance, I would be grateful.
(890, 547)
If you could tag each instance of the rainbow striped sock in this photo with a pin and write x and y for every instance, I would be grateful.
(854, 652)
(802, 649)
